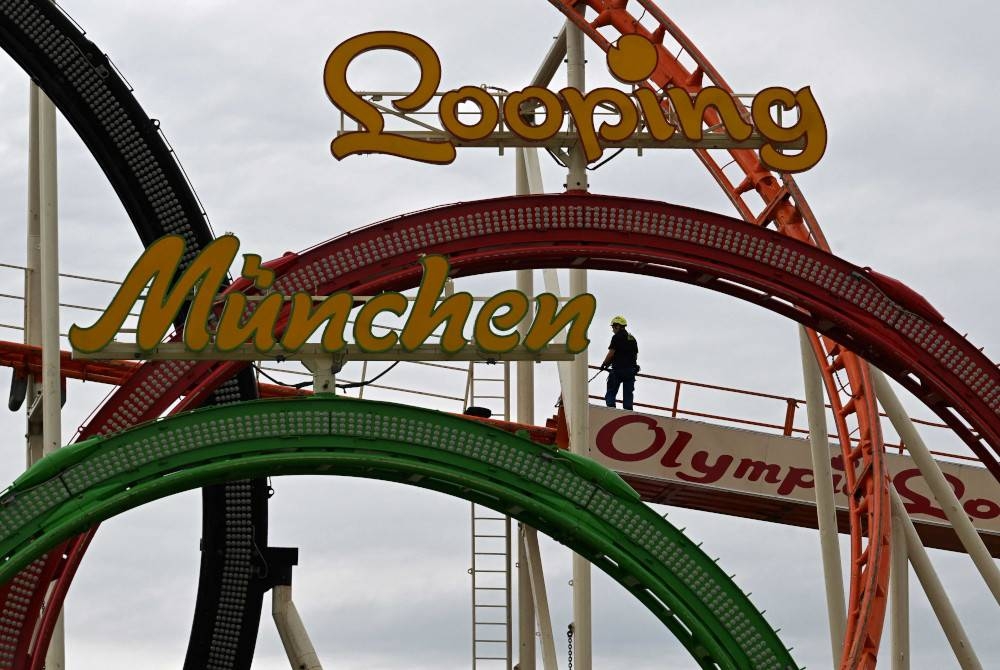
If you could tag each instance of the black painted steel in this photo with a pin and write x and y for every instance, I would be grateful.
(96, 101)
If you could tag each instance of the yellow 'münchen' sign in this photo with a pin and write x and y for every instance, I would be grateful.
(631, 61)
(228, 322)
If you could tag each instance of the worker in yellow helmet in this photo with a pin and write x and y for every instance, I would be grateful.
(622, 360)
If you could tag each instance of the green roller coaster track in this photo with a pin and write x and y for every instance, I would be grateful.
(574, 500)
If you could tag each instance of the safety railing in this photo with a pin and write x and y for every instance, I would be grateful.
(785, 411)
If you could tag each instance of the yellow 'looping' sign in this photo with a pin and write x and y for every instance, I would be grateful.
(238, 320)
(632, 61)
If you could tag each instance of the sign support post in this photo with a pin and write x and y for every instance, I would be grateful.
(576, 180)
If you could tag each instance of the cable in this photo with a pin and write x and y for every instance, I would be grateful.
(349, 385)
(353, 385)
(606, 160)
(559, 161)
(300, 385)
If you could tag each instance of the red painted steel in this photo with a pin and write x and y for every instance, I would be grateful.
(27, 359)
(635, 236)
(793, 217)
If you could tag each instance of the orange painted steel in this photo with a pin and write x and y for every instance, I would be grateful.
(854, 400)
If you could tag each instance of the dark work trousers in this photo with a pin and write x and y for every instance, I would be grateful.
(624, 379)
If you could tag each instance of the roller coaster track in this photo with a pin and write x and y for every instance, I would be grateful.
(145, 174)
(65, 56)
(782, 203)
(573, 499)
(865, 312)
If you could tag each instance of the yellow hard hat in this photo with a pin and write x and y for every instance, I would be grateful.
(619, 321)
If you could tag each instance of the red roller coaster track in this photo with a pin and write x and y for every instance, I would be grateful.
(898, 332)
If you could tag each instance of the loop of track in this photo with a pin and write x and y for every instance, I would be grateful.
(151, 185)
(784, 204)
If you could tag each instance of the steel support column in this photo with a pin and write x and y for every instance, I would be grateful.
(540, 598)
(938, 485)
(294, 637)
(576, 180)
(899, 596)
(42, 301)
(525, 415)
(936, 594)
(826, 510)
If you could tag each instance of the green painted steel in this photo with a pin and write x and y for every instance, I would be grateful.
(574, 500)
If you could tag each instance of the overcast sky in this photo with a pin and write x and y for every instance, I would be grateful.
(907, 186)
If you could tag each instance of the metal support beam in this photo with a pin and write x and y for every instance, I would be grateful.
(49, 243)
(33, 279)
(899, 597)
(826, 510)
(938, 597)
(579, 440)
(525, 608)
(525, 415)
(576, 180)
(938, 485)
(44, 433)
(552, 62)
(576, 77)
(529, 539)
(295, 639)
(324, 372)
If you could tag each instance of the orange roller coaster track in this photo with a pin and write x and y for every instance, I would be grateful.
(853, 401)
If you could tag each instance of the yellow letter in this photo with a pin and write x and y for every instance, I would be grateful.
(525, 126)
(582, 108)
(372, 139)
(633, 59)
(517, 306)
(259, 324)
(488, 111)
(363, 335)
(653, 112)
(580, 310)
(155, 268)
(425, 318)
(304, 321)
(691, 113)
(810, 126)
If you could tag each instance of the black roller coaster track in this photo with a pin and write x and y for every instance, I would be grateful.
(143, 170)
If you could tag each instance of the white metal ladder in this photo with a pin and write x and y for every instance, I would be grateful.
(491, 590)
(489, 392)
(492, 631)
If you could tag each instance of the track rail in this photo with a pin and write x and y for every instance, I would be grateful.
(782, 203)
(155, 192)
